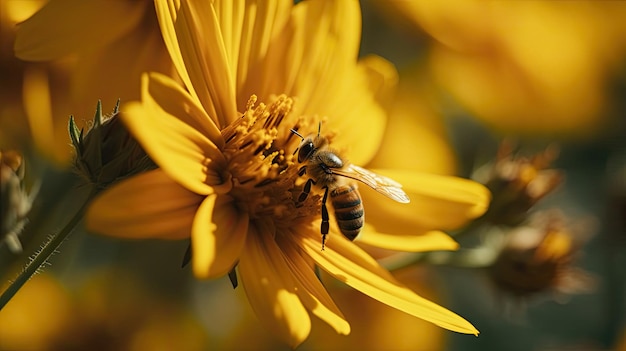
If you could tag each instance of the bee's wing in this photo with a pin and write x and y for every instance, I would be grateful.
(382, 184)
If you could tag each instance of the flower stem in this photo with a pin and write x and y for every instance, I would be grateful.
(43, 254)
(464, 258)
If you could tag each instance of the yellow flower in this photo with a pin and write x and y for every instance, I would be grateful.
(112, 309)
(26, 117)
(228, 176)
(110, 44)
(525, 66)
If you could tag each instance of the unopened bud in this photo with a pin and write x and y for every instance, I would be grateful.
(107, 152)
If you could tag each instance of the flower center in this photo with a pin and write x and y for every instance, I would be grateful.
(259, 148)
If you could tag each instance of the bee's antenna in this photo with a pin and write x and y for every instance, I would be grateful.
(319, 129)
(296, 133)
(301, 137)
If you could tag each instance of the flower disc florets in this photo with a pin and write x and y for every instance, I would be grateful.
(259, 149)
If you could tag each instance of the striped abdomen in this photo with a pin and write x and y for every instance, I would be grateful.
(348, 208)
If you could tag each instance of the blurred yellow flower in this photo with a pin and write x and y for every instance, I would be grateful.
(229, 180)
(111, 42)
(94, 50)
(111, 310)
(25, 98)
(525, 66)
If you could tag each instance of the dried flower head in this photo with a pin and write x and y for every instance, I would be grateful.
(537, 258)
(107, 152)
(15, 201)
(517, 183)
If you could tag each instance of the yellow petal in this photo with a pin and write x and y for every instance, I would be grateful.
(437, 202)
(270, 287)
(316, 56)
(382, 77)
(311, 291)
(357, 117)
(167, 14)
(176, 101)
(206, 61)
(415, 124)
(218, 236)
(184, 153)
(149, 205)
(250, 30)
(117, 67)
(420, 241)
(351, 265)
(66, 26)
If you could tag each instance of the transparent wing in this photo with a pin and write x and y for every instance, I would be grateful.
(382, 184)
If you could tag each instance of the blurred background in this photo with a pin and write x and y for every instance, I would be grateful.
(539, 76)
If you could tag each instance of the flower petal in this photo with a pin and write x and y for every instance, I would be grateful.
(311, 291)
(250, 30)
(149, 205)
(415, 124)
(270, 287)
(315, 60)
(117, 68)
(204, 52)
(217, 237)
(173, 98)
(184, 153)
(419, 242)
(437, 202)
(167, 14)
(63, 27)
(351, 265)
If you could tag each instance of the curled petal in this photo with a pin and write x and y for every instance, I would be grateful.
(271, 289)
(437, 202)
(351, 265)
(182, 151)
(420, 241)
(217, 237)
(149, 205)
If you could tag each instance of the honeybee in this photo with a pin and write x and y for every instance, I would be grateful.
(331, 173)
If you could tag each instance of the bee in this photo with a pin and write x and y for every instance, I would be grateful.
(330, 172)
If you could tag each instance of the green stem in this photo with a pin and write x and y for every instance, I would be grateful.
(42, 256)
(465, 258)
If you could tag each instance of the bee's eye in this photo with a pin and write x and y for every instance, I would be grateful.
(306, 149)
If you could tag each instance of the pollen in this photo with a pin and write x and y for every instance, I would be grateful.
(260, 153)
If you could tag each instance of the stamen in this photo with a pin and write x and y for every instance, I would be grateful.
(266, 179)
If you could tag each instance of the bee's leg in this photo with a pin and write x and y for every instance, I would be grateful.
(325, 223)
(302, 171)
(306, 190)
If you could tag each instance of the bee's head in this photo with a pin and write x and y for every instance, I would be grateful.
(306, 149)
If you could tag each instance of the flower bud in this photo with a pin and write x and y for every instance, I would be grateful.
(107, 152)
